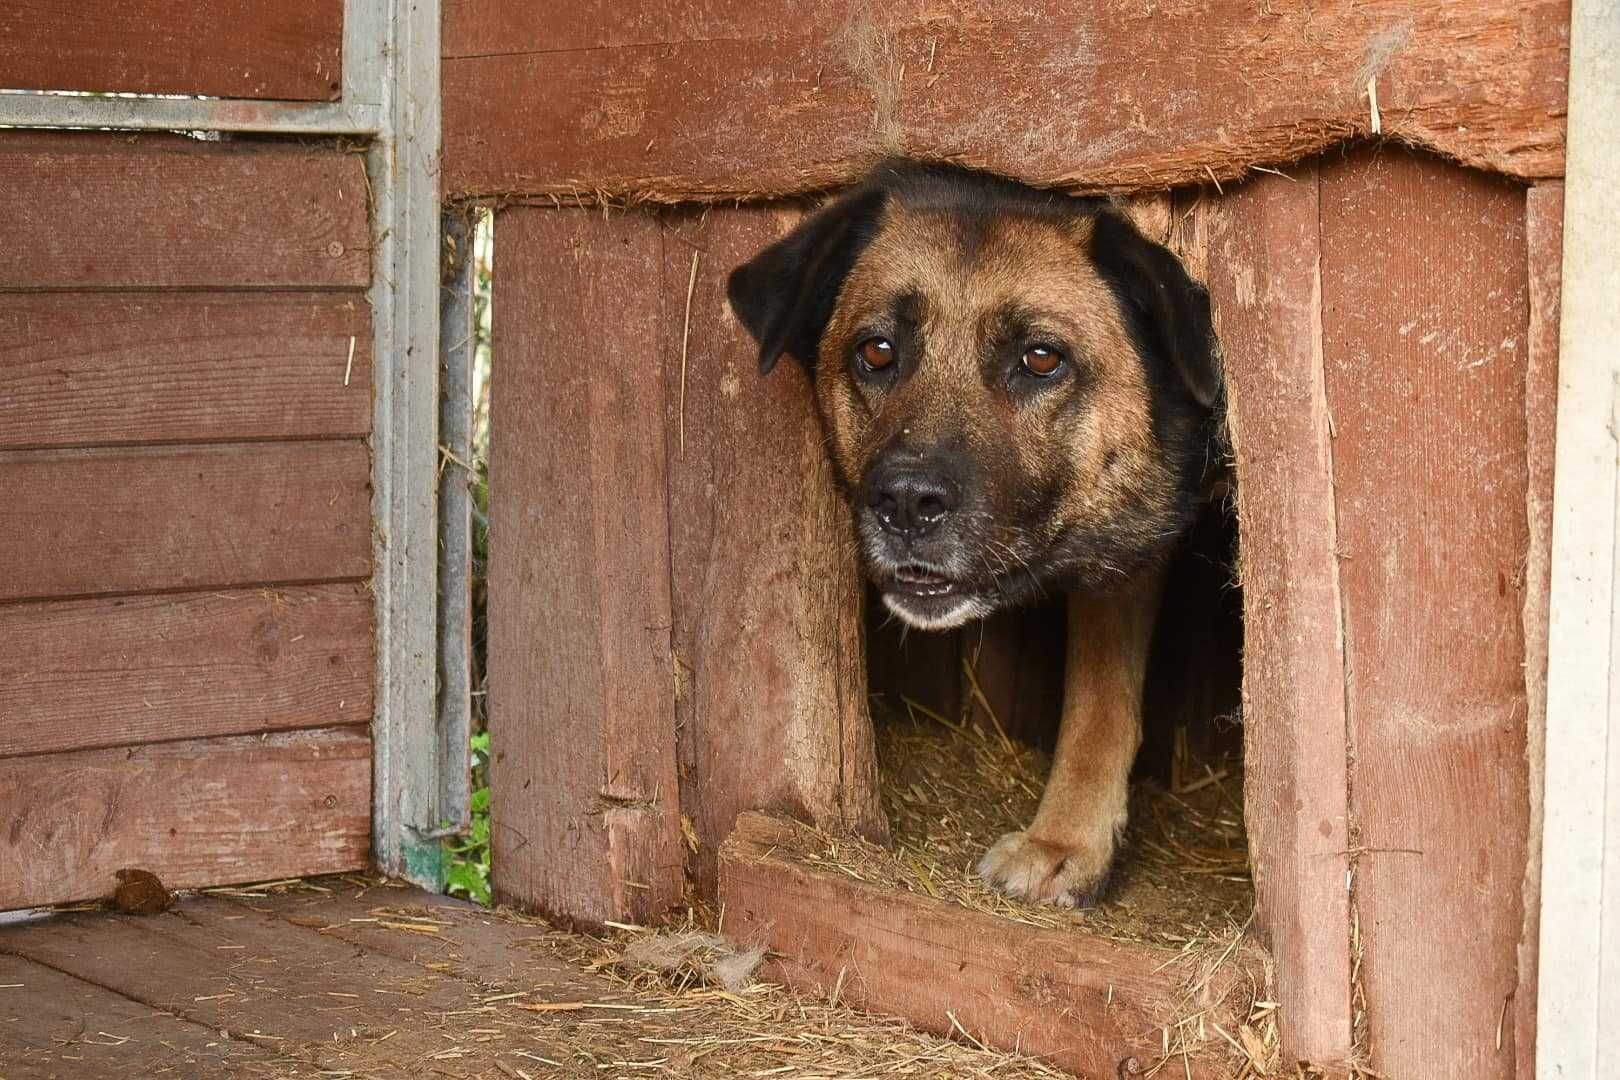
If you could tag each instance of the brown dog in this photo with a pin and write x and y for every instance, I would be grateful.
(1018, 390)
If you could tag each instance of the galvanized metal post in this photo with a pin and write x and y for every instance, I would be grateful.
(409, 813)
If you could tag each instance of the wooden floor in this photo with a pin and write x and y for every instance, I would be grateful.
(360, 980)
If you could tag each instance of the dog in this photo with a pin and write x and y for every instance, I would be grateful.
(1019, 393)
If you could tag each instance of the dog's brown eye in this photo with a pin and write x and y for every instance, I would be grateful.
(1039, 360)
(875, 353)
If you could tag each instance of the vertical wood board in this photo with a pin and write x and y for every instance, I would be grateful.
(772, 708)
(1425, 318)
(1263, 252)
(584, 790)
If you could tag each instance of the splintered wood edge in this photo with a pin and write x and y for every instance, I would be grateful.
(1079, 1001)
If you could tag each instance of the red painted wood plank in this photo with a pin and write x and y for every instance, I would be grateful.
(772, 711)
(79, 674)
(291, 49)
(582, 683)
(1424, 328)
(196, 813)
(714, 101)
(1263, 253)
(81, 522)
(80, 369)
(94, 210)
(1080, 1002)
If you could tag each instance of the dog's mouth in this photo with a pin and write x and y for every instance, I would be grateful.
(917, 580)
(926, 599)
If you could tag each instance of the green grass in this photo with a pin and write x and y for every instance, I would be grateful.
(468, 873)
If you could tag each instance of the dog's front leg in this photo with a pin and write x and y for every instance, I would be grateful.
(1065, 855)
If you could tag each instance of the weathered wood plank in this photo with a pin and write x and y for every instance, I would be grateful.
(80, 674)
(1425, 319)
(82, 522)
(582, 682)
(84, 369)
(290, 50)
(199, 812)
(321, 1004)
(359, 977)
(93, 210)
(54, 1025)
(468, 942)
(1544, 234)
(717, 101)
(772, 711)
(1080, 1002)
(1263, 248)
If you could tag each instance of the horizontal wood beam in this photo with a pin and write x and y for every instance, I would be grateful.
(112, 210)
(717, 102)
(198, 812)
(1080, 1002)
(291, 49)
(118, 671)
(93, 522)
(86, 369)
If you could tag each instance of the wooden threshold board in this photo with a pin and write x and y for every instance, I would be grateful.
(1078, 1001)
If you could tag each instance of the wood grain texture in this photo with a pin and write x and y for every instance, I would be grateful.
(82, 522)
(1079, 1002)
(196, 813)
(1544, 234)
(321, 1004)
(1263, 249)
(86, 369)
(582, 682)
(472, 943)
(290, 50)
(1425, 319)
(80, 674)
(772, 711)
(93, 211)
(49, 1025)
(714, 101)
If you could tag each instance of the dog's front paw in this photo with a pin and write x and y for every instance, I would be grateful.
(1066, 875)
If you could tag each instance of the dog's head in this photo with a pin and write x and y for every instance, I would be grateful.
(1016, 385)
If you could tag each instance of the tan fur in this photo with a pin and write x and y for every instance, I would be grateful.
(1064, 856)
(1032, 263)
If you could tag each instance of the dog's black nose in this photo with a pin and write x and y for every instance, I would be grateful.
(911, 502)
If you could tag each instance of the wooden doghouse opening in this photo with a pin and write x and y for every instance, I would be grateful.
(682, 713)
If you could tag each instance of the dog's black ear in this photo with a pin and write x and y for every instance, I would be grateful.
(1168, 312)
(785, 294)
